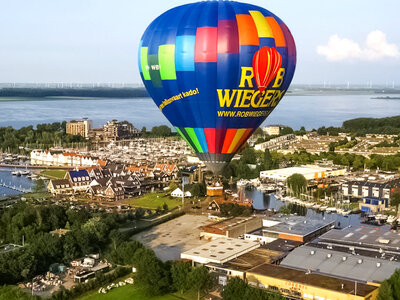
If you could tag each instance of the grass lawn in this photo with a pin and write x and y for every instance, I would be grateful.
(54, 174)
(153, 200)
(134, 291)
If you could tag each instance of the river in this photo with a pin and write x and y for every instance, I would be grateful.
(262, 201)
(19, 181)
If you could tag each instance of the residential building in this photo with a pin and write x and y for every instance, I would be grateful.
(273, 129)
(59, 186)
(81, 127)
(61, 159)
(79, 179)
(170, 169)
(115, 131)
(281, 142)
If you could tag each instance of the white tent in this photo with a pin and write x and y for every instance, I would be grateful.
(178, 193)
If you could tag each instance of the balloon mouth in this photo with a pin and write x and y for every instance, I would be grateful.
(216, 162)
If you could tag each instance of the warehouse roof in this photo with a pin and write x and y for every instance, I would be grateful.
(294, 225)
(366, 236)
(339, 264)
(220, 250)
(312, 279)
(251, 259)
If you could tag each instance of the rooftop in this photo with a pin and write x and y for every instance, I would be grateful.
(367, 236)
(294, 225)
(316, 280)
(282, 245)
(231, 223)
(251, 259)
(339, 264)
(220, 250)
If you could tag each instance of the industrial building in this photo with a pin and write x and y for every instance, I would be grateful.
(308, 171)
(376, 185)
(294, 228)
(241, 264)
(379, 241)
(232, 227)
(339, 264)
(296, 284)
(219, 251)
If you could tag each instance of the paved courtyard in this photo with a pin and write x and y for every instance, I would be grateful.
(171, 238)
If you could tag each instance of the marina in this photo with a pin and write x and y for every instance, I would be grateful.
(12, 184)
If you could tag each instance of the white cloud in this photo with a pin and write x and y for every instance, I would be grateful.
(376, 47)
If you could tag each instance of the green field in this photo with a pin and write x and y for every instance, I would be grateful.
(134, 292)
(153, 201)
(54, 174)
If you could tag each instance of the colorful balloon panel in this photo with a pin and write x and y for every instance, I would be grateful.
(196, 62)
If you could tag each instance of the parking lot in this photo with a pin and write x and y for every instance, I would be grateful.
(169, 239)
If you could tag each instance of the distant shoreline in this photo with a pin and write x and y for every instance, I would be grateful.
(63, 94)
(18, 94)
(386, 98)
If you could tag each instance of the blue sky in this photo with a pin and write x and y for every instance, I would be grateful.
(97, 40)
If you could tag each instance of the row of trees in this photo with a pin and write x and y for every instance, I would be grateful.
(157, 131)
(44, 137)
(238, 289)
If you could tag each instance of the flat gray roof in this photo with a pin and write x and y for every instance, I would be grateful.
(295, 225)
(220, 250)
(365, 236)
(339, 264)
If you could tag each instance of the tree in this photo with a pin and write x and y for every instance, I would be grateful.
(235, 289)
(385, 291)
(39, 186)
(297, 183)
(152, 272)
(201, 280)
(139, 213)
(268, 162)
(238, 289)
(161, 131)
(195, 190)
(390, 288)
(165, 207)
(358, 163)
(248, 156)
(172, 186)
(395, 198)
(286, 130)
(180, 271)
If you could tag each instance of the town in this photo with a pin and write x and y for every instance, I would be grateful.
(334, 218)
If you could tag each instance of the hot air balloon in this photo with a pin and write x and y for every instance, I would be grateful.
(216, 70)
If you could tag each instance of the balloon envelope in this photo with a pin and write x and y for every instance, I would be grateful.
(196, 61)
